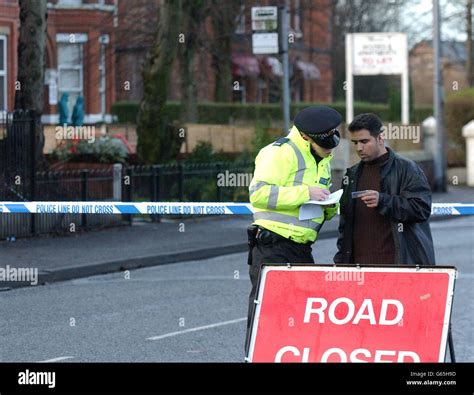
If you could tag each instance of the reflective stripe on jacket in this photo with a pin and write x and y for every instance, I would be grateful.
(283, 172)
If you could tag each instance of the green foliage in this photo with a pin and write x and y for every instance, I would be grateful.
(459, 110)
(261, 138)
(420, 113)
(103, 150)
(126, 111)
(200, 189)
(394, 103)
(225, 113)
(158, 137)
(204, 152)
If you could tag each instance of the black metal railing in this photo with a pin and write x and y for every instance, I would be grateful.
(20, 181)
(181, 182)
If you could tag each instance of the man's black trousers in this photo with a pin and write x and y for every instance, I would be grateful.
(273, 251)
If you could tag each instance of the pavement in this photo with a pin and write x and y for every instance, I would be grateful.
(145, 244)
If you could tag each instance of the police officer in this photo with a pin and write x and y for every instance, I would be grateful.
(288, 173)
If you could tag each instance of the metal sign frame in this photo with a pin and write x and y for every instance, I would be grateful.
(266, 268)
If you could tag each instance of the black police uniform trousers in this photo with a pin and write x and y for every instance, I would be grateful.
(272, 249)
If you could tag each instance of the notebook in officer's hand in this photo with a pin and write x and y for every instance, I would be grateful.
(312, 208)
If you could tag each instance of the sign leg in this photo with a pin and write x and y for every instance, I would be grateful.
(452, 356)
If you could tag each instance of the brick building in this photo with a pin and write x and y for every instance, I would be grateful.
(9, 31)
(79, 56)
(96, 49)
(258, 77)
(453, 64)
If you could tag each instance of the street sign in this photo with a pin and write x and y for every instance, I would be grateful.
(379, 53)
(264, 18)
(309, 313)
(264, 28)
(265, 43)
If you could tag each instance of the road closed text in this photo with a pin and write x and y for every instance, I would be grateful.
(343, 311)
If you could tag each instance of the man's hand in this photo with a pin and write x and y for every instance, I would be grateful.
(370, 198)
(319, 194)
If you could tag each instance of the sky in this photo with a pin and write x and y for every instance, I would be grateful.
(417, 19)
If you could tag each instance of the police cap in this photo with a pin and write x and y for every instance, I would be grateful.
(320, 123)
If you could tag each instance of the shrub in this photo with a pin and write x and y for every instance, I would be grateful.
(459, 110)
(204, 152)
(225, 113)
(103, 150)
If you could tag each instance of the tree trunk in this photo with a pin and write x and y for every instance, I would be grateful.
(223, 25)
(157, 143)
(193, 18)
(469, 53)
(31, 58)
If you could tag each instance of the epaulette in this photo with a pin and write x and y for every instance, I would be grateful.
(281, 141)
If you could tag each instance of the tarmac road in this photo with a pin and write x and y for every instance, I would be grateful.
(185, 312)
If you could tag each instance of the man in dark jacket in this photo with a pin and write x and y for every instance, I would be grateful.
(388, 222)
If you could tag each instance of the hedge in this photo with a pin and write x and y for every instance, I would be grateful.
(224, 113)
(459, 110)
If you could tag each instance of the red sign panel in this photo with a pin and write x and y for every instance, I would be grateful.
(349, 314)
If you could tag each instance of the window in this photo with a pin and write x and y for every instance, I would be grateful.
(3, 73)
(102, 79)
(70, 2)
(70, 72)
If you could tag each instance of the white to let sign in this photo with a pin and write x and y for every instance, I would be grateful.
(379, 53)
(374, 54)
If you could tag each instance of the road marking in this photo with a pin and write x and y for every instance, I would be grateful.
(89, 280)
(55, 359)
(199, 328)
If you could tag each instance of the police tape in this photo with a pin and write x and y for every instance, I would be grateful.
(174, 208)
(162, 208)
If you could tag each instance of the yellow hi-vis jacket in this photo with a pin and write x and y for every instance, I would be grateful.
(283, 172)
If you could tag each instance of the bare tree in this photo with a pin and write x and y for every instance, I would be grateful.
(351, 16)
(223, 25)
(156, 142)
(31, 58)
(192, 19)
(134, 39)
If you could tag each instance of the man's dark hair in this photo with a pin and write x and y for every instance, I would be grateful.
(368, 121)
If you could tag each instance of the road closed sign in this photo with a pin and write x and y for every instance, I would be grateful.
(310, 313)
